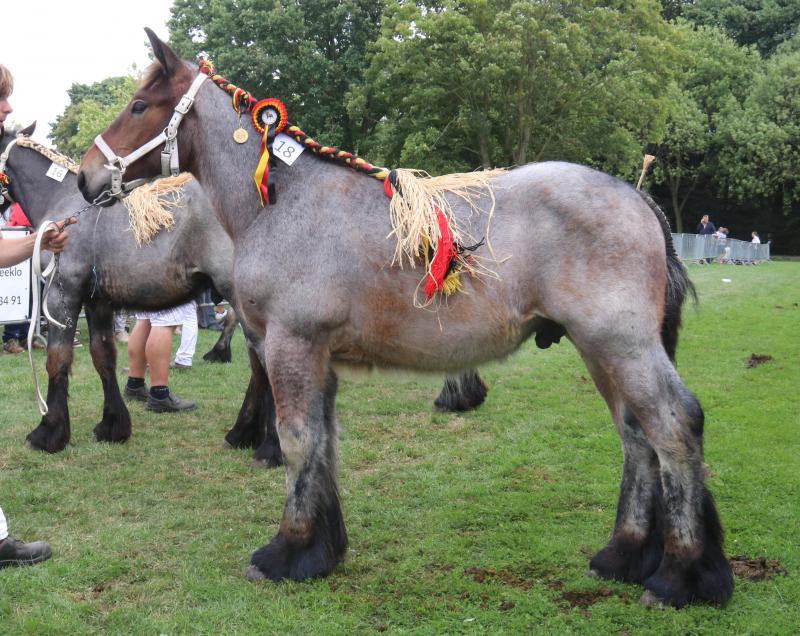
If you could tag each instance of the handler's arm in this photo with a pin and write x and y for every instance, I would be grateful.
(16, 250)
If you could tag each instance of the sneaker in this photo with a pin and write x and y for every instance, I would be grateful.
(76, 344)
(13, 346)
(169, 404)
(178, 365)
(16, 553)
(141, 393)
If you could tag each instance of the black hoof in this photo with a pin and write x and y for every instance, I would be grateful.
(278, 561)
(47, 439)
(243, 437)
(268, 455)
(466, 393)
(627, 561)
(107, 432)
(218, 355)
(708, 579)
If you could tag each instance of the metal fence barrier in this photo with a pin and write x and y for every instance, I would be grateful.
(706, 248)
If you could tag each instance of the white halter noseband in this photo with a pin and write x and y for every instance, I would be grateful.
(169, 155)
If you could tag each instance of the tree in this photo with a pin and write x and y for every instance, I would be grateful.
(715, 73)
(762, 149)
(91, 109)
(308, 53)
(455, 85)
(761, 23)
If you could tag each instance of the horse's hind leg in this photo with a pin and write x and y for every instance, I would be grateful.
(312, 538)
(221, 351)
(464, 393)
(115, 426)
(660, 410)
(637, 543)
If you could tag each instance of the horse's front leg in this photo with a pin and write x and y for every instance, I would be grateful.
(312, 537)
(255, 424)
(53, 433)
(115, 426)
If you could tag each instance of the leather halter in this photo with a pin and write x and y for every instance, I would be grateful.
(169, 155)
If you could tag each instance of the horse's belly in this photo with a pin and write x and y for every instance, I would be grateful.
(458, 335)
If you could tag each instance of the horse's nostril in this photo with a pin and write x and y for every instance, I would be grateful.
(81, 181)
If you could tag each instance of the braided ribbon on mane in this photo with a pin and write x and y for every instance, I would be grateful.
(443, 266)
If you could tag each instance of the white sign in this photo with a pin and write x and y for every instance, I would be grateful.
(57, 172)
(15, 288)
(287, 149)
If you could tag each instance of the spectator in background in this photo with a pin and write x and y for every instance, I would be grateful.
(755, 239)
(706, 226)
(186, 349)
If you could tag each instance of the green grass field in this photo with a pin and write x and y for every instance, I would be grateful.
(476, 523)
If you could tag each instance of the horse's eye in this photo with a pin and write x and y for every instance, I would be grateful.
(138, 107)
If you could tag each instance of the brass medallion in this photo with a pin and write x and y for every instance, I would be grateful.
(240, 135)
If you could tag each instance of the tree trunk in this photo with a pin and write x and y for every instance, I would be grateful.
(674, 185)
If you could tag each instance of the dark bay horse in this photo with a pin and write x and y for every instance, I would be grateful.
(576, 250)
(105, 269)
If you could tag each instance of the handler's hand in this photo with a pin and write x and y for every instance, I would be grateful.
(56, 241)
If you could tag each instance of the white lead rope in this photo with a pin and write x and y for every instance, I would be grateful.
(40, 302)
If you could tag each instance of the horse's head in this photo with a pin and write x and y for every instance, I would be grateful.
(6, 144)
(146, 117)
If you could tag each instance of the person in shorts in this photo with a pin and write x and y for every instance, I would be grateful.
(150, 343)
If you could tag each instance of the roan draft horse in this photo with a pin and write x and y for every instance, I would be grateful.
(105, 269)
(575, 249)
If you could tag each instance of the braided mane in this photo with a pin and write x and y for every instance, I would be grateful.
(49, 153)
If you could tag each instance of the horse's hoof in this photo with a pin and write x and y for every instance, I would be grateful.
(266, 464)
(648, 599)
(593, 574)
(30, 446)
(227, 445)
(254, 574)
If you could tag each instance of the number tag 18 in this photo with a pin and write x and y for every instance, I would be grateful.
(286, 149)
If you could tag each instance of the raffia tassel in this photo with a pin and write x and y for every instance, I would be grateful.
(149, 206)
(414, 214)
(452, 283)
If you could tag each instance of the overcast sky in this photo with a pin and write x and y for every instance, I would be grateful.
(48, 45)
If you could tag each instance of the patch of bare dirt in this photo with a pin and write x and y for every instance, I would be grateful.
(757, 359)
(755, 569)
(585, 598)
(504, 575)
(506, 605)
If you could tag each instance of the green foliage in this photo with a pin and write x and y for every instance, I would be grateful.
(308, 53)
(763, 135)
(715, 73)
(91, 109)
(763, 24)
(153, 536)
(463, 84)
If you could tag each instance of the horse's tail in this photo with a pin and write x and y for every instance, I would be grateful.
(678, 283)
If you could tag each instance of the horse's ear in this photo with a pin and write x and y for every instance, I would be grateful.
(165, 55)
(29, 130)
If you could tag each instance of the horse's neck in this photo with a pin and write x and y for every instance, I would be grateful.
(226, 176)
(37, 193)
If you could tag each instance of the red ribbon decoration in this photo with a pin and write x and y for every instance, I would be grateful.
(445, 251)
